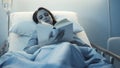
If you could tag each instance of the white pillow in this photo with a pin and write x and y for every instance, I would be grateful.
(17, 42)
(23, 28)
(22, 23)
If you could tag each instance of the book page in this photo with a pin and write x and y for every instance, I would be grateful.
(43, 32)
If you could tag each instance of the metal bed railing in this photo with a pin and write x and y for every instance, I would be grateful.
(104, 52)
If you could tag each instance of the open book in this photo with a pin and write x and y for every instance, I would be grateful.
(61, 31)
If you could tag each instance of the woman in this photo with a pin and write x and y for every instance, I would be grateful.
(61, 55)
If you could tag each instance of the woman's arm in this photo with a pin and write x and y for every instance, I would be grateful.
(32, 45)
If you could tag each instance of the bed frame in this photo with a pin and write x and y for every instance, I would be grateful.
(112, 57)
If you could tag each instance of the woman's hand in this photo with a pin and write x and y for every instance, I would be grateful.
(31, 49)
(56, 35)
(60, 35)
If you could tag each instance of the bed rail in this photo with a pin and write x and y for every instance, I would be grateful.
(104, 52)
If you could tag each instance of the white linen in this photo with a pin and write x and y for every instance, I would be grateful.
(23, 28)
(17, 42)
(62, 55)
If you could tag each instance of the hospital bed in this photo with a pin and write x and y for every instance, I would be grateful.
(22, 26)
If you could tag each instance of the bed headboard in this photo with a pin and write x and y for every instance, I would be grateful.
(22, 26)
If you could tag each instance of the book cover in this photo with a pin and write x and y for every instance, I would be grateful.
(61, 31)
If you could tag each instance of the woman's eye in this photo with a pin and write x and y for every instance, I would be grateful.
(46, 14)
(40, 17)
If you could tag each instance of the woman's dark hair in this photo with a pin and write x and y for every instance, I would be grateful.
(42, 8)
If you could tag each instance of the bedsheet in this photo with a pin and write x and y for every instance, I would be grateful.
(61, 55)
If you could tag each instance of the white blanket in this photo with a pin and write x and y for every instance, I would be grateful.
(62, 55)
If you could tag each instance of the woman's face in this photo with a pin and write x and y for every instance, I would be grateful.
(44, 16)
